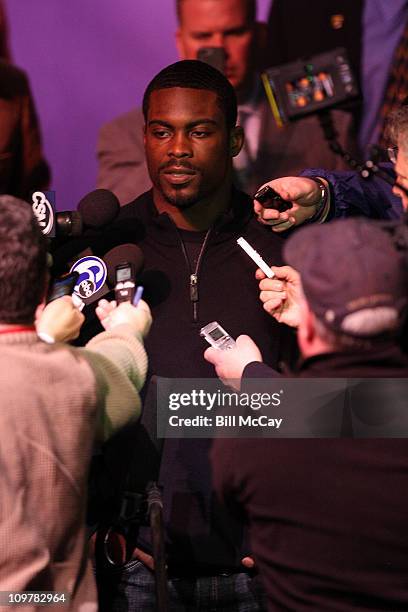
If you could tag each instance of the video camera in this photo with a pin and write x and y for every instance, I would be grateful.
(305, 87)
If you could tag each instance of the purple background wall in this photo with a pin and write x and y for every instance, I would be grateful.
(88, 61)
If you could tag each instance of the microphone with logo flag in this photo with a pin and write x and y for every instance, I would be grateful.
(96, 276)
(96, 210)
(43, 205)
(92, 275)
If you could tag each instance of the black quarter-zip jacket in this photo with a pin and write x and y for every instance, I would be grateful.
(200, 537)
(226, 286)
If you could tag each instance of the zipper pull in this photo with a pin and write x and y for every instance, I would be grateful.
(193, 288)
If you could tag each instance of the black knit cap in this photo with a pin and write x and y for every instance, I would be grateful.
(349, 268)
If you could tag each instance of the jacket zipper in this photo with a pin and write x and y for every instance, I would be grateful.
(194, 298)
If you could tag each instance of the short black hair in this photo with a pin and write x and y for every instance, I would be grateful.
(250, 6)
(23, 262)
(193, 74)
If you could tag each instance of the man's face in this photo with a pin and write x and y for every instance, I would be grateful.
(187, 145)
(219, 23)
(401, 169)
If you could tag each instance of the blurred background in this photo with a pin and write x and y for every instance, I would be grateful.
(88, 62)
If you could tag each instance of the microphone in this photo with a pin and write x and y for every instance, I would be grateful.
(43, 205)
(96, 275)
(96, 278)
(99, 208)
(68, 223)
(156, 283)
(96, 210)
(124, 263)
(124, 253)
(91, 273)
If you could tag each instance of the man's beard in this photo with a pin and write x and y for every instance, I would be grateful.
(180, 200)
(175, 196)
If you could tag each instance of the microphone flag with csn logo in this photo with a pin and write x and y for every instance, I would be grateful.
(45, 212)
(91, 284)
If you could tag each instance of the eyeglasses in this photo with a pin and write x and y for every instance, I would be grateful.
(392, 154)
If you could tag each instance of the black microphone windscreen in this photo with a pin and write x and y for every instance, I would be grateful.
(64, 254)
(99, 208)
(69, 223)
(124, 253)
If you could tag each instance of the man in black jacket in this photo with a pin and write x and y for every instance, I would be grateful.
(194, 273)
(327, 516)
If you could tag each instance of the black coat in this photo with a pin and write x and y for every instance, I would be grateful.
(201, 538)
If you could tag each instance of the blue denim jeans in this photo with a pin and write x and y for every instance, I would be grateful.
(132, 589)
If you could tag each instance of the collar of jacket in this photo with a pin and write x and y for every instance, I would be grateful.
(228, 225)
(25, 337)
(386, 356)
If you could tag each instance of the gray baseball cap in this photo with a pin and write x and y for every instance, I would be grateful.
(354, 278)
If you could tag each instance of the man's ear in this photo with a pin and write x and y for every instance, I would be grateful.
(40, 307)
(39, 310)
(236, 140)
(310, 321)
(306, 332)
(43, 303)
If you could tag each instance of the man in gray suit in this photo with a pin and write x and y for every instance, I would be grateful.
(269, 152)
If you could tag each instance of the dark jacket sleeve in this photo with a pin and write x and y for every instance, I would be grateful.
(255, 369)
(353, 195)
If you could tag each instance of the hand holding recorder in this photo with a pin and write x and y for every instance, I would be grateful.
(229, 365)
(304, 196)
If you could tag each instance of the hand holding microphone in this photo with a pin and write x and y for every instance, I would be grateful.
(95, 276)
(138, 317)
(123, 263)
(304, 196)
(59, 321)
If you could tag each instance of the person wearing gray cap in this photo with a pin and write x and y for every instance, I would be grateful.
(327, 517)
(346, 293)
